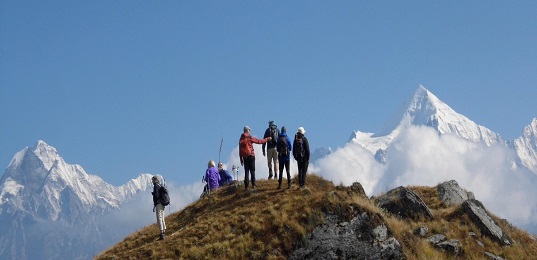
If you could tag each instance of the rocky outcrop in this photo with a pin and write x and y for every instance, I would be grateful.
(450, 193)
(404, 203)
(452, 246)
(488, 227)
(356, 239)
(357, 187)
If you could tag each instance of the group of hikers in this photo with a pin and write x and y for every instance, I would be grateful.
(278, 152)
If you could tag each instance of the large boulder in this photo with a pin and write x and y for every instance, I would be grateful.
(404, 203)
(359, 238)
(450, 193)
(488, 227)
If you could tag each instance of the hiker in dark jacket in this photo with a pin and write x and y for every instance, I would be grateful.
(272, 153)
(284, 147)
(247, 154)
(301, 155)
(212, 177)
(225, 177)
(157, 207)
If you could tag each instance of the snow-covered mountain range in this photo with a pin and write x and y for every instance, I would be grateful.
(50, 209)
(425, 109)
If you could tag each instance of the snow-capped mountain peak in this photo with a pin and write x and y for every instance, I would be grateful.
(526, 146)
(47, 203)
(46, 153)
(425, 109)
(40, 183)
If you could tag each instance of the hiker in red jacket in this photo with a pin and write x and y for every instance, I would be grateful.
(247, 154)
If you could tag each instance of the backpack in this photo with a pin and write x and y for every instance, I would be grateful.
(298, 150)
(245, 149)
(164, 198)
(274, 133)
(284, 147)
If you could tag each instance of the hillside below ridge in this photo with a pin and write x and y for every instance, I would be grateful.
(270, 223)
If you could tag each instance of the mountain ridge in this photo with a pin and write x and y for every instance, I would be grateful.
(321, 221)
(39, 190)
(425, 109)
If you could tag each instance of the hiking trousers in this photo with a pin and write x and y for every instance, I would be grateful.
(285, 164)
(159, 210)
(249, 167)
(272, 156)
(302, 169)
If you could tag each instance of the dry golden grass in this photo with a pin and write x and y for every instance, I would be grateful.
(271, 223)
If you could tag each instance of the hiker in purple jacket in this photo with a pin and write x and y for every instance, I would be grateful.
(212, 177)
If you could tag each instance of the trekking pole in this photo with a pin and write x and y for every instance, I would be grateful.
(237, 175)
(220, 151)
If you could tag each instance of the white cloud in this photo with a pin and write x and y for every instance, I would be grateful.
(350, 164)
(138, 212)
(420, 156)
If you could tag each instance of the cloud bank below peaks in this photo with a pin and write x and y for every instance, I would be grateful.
(421, 156)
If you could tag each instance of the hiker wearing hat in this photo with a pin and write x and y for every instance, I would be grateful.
(225, 177)
(247, 154)
(301, 153)
(272, 154)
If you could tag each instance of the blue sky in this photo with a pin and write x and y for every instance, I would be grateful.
(130, 87)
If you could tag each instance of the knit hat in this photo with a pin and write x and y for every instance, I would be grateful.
(301, 130)
(246, 128)
(283, 129)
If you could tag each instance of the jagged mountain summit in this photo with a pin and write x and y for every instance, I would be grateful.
(39, 190)
(425, 109)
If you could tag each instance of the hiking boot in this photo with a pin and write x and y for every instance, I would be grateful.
(279, 186)
(270, 176)
(276, 176)
(289, 185)
(161, 237)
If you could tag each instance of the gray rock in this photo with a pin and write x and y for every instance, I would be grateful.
(404, 203)
(492, 256)
(422, 231)
(358, 188)
(451, 193)
(438, 238)
(471, 195)
(452, 246)
(488, 227)
(357, 239)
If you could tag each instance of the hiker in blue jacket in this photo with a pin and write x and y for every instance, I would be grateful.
(211, 176)
(284, 148)
(225, 177)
